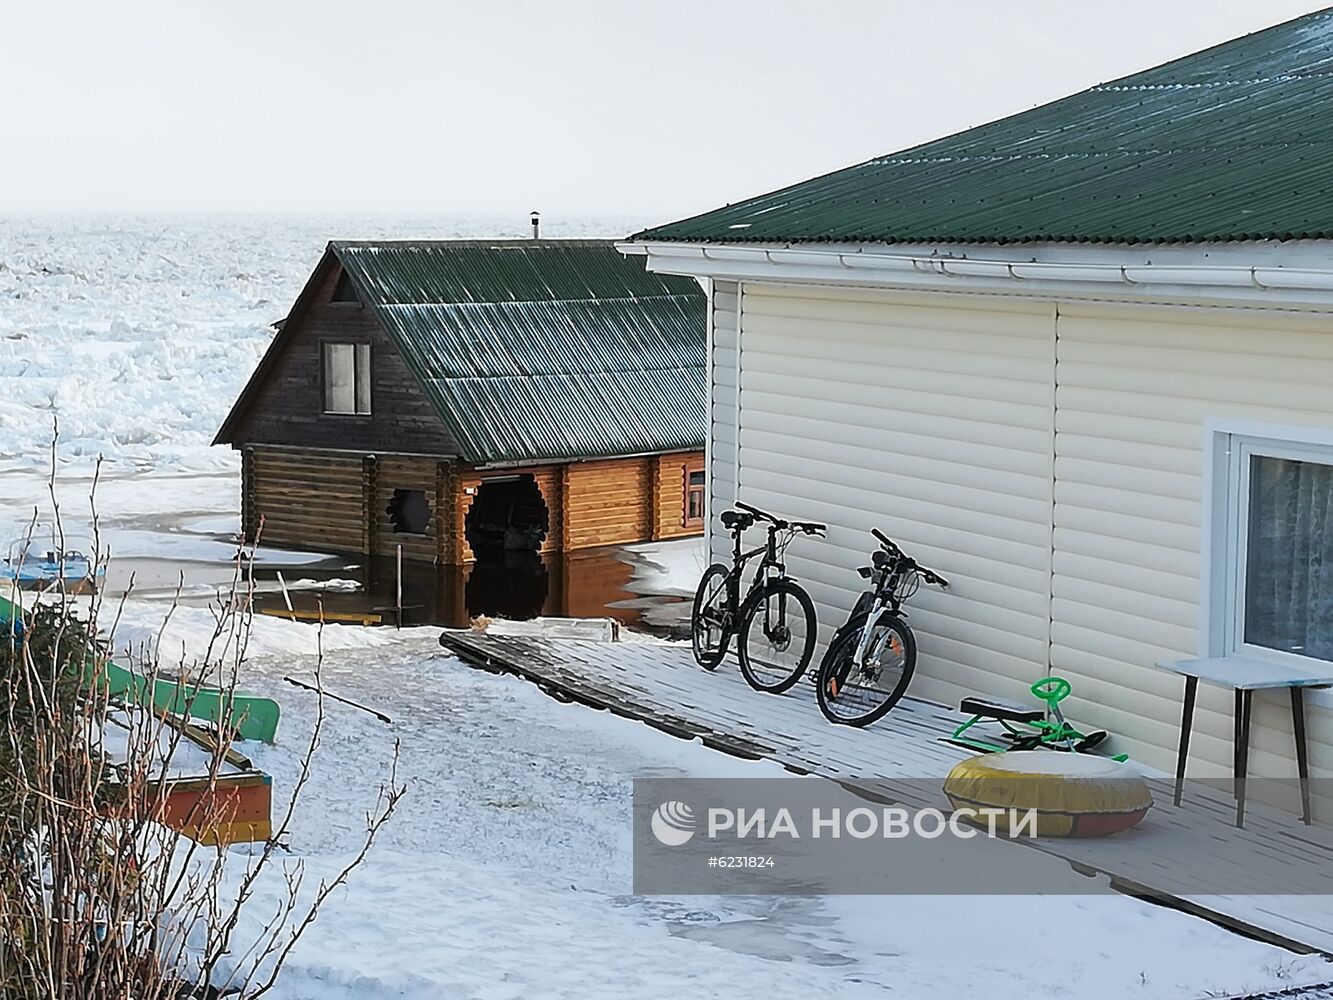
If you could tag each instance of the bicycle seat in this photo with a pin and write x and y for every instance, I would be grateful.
(734, 520)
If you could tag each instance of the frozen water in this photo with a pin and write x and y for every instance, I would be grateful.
(138, 333)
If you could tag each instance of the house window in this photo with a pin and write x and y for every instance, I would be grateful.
(694, 497)
(347, 378)
(1272, 587)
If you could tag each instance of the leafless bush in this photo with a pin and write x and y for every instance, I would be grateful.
(101, 893)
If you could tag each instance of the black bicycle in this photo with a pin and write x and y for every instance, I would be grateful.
(775, 624)
(870, 661)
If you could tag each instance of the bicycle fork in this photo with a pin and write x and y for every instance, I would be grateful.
(863, 646)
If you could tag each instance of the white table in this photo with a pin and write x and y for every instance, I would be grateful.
(1245, 676)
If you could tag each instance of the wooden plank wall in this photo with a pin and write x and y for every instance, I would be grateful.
(670, 475)
(287, 407)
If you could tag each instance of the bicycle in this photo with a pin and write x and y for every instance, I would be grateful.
(775, 625)
(870, 661)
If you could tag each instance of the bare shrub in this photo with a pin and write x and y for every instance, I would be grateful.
(99, 897)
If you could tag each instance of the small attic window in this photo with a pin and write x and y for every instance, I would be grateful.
(344, 290)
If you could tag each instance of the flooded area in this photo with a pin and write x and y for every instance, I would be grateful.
(594, 583)
(175, 538)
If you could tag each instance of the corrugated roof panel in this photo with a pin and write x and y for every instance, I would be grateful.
(1232, 143)
(539, 350)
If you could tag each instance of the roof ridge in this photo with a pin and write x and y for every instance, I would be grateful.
(1114, 87)
(585, 371)
(1088, 154)
(499, 241)
(493, 303)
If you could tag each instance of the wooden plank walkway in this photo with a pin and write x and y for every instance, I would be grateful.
(1167, 858)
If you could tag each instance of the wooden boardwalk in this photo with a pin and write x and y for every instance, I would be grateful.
(1167, 858)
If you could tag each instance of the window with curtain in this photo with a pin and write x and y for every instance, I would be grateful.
(1288, 562)
(347, 378)
(694, 498)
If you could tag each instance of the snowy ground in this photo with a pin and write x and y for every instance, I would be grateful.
(507, 873)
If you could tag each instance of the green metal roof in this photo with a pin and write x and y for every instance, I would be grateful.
(1231, 143)
(542, 349)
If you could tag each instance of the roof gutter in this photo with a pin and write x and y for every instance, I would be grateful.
(1237, 283)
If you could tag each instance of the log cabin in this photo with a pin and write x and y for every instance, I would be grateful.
(466, 398)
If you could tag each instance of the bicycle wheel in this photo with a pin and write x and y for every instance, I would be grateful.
(856, 694)
(710, 625)
(776, 636)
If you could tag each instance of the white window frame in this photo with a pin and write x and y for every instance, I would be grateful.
(1229, 446)
(361, 379)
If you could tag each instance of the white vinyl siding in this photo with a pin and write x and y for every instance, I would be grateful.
(1048, 459)
(722, 414)
(929, 421)
(1137, 385)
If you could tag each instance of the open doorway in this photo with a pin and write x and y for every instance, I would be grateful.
(507, 515)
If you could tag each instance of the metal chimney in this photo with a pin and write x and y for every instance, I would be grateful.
(536, 225)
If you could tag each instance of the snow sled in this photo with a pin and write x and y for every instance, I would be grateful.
(1025, 727)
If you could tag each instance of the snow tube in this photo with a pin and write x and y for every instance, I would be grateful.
(1073, 794)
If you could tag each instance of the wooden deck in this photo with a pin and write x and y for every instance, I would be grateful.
(1167, 858)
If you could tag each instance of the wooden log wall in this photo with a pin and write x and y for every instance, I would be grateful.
(549, 480)
(325, 501)
(608, 503)
(670, 475)
(308, 500)
(408, 472)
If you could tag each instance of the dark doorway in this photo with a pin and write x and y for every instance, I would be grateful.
(514, 585)
(507, 515)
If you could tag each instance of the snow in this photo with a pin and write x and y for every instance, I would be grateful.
(668, 568)
(180, 636)
(507, 873)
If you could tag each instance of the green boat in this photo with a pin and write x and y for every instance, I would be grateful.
(251, 717)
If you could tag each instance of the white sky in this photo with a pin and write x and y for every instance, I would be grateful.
(648, 108)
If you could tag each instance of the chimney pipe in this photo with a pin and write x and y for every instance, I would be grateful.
(536, 225)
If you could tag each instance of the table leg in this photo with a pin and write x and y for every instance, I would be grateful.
(1302, 760)
(1236, 715)
(1243, 755)
(1186, 721)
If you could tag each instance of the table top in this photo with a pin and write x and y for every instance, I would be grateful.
(1247, 674)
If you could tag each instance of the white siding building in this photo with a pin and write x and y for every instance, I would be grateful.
(1080, 361)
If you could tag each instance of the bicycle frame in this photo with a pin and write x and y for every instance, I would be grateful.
(739, 560)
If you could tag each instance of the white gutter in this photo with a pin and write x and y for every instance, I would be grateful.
(1232, 282)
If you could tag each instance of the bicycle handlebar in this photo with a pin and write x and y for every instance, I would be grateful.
(928, 575)
(889, 544)
(809, 527)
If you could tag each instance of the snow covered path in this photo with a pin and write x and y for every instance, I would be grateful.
(506, 874)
